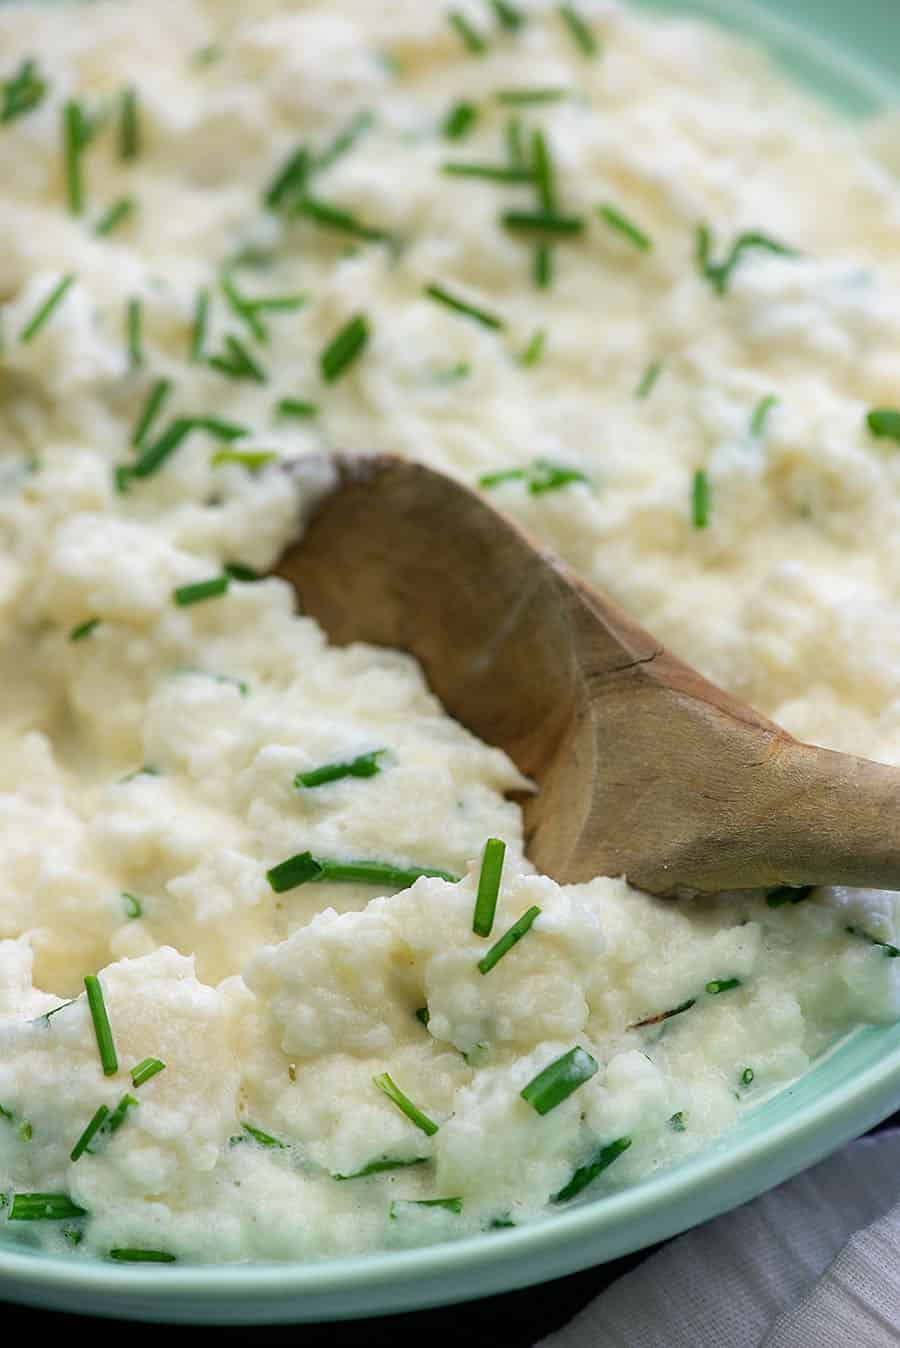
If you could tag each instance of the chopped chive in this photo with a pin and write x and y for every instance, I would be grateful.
(472, 40)
(489, 320)
(648, 379)
(134, 326)
(264, 1139)
(47, 1014)
(290, 178)
(548, 222)
(498, 173)
(663, 1015)
(90, 1132)
(761, 414)
(776, 898)
(461, 370)
(516, 97)
(151, 409)
(459, 120)
(423, 1015)
(129, 125)
(700, 499)
(43, 1207)
(207, 56)
(22, 92)
(364, 765)
(118, 211)
(237, 363)
(747, 1076)
(722, 985)
(627, 228)
(719, 274)
(549, 476)
(884, 422)
(891, 951)
(84, 629)
(344, 348)
(240, 571)
(24, 1130)
(402, 1205)
(382, 1164)
(248, 310)
(404, 1104)
(488, 886)
(76, 134)
(304, 867)
(542, 265)
(581, 34)
(677, 1123)
(543, 172)
(586, 1174)
(336, 217)
(120, 1113)
(155, 454)
(34, 324)
(296, 407)
(199, 325)
(145, 1070)
(509, 938)
(345, 140)
(105, 1045)
(184, 595)
(251, 459)
(504, 475)
(507, 15)
(130, 1256)
(534, 351)
(558, 1080)
(132, 905)
(515, 141)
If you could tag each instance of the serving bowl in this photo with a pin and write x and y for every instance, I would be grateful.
(850, 56)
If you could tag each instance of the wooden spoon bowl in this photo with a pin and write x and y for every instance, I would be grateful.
(643, 767)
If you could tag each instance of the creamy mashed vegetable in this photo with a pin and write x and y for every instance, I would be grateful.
(228, 237)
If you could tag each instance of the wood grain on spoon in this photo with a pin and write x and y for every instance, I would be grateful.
(644, 768)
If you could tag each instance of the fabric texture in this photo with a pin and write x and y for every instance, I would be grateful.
(814, 1262)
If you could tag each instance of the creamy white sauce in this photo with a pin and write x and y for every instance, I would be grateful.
(278, 1010)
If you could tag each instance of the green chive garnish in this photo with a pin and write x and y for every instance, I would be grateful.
(514, 97)
(890, 950)
(459, 120)
(120, 1113)
(240, 571)
(199, 325)
(200, 590)
(471, 38)
(248, 310)
(236, 362)
(515, 141)
(290, 180)
(581, 34)
(776, 898)
(145, 1070)
(489, 320)
(118, 211)
(543, 172)
(76, 135)
(423, 1015)
(106, 1048)
(747, 1076)
(542, 265)
(304, 867)
(251, 459)
(719, 274)
(264, 1139)
(43, 1207)
(507, 15)
(663, 1015)
(488, 886)
(155, 454)
(586, 1174)
(722, 985)
(34, 325)
(677, 1123)
(508, 940)
(207, 56)
(534, 350)
(129, 125)
(22, 92)
(700, 499)
(150, 411)
(345, 140)
(134, 326)
(627, 228)
(364, 765)
(129, 1256)
(336, 217)
(344, 348)
(498, 173)
(504, 475)
(547, 222)
(559, 1079)
(404, 1104)
(297, 407)
(549, 476)
(885, 423)
(383, 1163)
(648, 379)
(402, 1205)
(84, 629)
(761, 414)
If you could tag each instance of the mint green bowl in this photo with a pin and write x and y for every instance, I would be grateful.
(850, 55)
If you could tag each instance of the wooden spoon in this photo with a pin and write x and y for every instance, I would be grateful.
(643, 767)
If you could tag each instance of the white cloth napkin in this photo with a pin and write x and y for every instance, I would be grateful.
(814, 1263)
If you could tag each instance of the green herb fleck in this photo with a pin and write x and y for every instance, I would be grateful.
(76, 136)
(747, 1076)
(34, 324)
(761, 414)
(498, 173)
(337, 217)
(43, 1207)
(364, 765)
(401, 1206)
(304, 868)
(252, 459)
(132, 905)
(130, 1256)
(90, 1132)
(507, 15)
(719, 274)
(423, 1015)
(290, 180)
(393, 1092)
(151, 409)
(542, 265)
(581, 34)
(297, 407)
(199, 325)
(84, 629)
(264, 1139)
(242, 572)
(22, 92)
(516, 97)
(207, 56)
(677, 1123)
(663, 1015)
(488, 886)
(120, 1113)
(248, 310)
(145, 1070)
(459, 120)
(885, 423)
(648, 379)
(777, 898)
(700, 499)
(548, 476)
(200, 590)
(383, 1163)
(345, 140)
(722, 985)
(488, 480)
(545, 222)
(236, 362)
(117, 212)
(559, 1079)
(472, 40)
(534, 351)
(134, 326)
(129, 125)
(515, 141)
(102, 1029)
(586, 1174)
(891, 951)
(344, 348)
(155, 455)
(627, 228)
(442, 296)
(509, 938)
